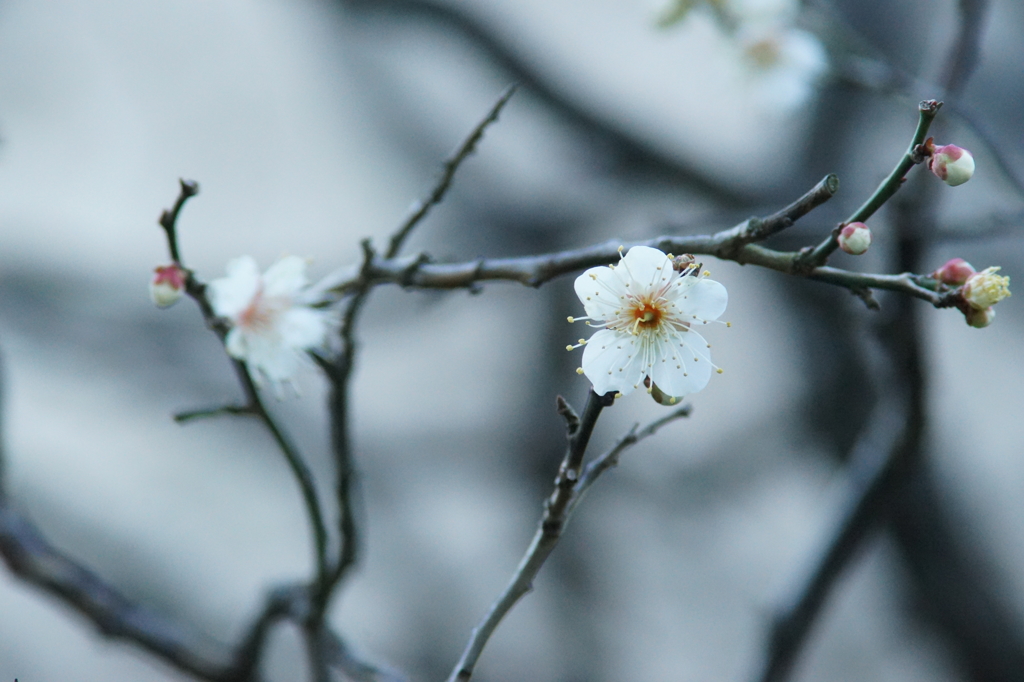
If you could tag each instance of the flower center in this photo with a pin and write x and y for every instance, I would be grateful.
(646, 315)
(261, 314)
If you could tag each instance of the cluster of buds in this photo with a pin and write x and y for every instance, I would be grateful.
(979, 291)
(951, 164)
(167, 285)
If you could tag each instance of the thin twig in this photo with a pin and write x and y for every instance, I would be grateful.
(169, 218)
(876, 73)
(565, 411)
(420, 209)
(339, 369)
(733, 244)
(31, 558)
(544, 540)
(571, 485)
(253, 405)
(630, 153)
(233, 410)
(534, 271)
(927, 110)
(300, 470)
(759, 229)
(611, 458)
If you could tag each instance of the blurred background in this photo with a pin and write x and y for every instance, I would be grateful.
(311, 124)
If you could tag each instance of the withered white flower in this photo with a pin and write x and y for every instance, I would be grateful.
(649, 312)
(271, 327)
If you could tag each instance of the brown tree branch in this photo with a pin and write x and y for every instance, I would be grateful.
(30, 557)
(571, 484)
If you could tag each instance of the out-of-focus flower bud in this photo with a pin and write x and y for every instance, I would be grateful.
(980, 318)
(955, 272)
(684, 262)
(951, 164)
(984, 289)
(167, 285)
(658, 395)
(855, 238)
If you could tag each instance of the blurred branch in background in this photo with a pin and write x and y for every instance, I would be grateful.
(634, 156)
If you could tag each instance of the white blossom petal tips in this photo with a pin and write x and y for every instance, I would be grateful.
(270, 326)
(648, 312)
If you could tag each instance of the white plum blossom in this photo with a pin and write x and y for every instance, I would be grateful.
(984, 289)
(271, 326)
(648, 311)
(783, 63)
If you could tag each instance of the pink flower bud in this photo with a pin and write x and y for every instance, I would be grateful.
(955, 272)
(953, 165)
(167, 285)
(984, 289)
(980, 319)
(855, 238)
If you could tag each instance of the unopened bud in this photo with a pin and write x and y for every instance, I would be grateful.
(683, 263)
(984, 289)
(951, 164)
(855, 238)
(659, 395)
(980, 318)
(167, 285)
(955, 272)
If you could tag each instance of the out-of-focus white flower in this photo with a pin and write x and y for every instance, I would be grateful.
(783, 64)
(271, 327)
(854, 238)
(167, 285)
(986, 288)
(649, 312)
(951, 164)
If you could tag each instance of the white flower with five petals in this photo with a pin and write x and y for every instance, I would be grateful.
(271, 327)
(649, 312)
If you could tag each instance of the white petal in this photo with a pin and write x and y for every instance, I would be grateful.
(690, 378)
(236, 345)
(272, 358)
(612, 362)
(649, 268)
(303, 328)
(601, 292)
(285, 277)
(706, 299)
(232, 294)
